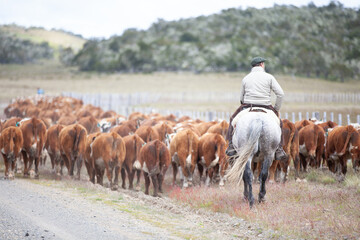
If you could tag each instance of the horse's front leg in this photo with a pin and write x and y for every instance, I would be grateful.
(263, 177)
(248, 179)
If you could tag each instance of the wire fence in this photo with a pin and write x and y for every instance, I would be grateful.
(127, 103)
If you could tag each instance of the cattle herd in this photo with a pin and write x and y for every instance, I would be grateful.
(71, 133)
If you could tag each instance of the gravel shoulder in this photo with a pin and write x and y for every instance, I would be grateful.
(68, 209)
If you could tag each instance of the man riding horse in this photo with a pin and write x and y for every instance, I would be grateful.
(255, 95)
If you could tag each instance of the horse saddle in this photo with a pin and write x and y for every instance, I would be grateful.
(269, 113)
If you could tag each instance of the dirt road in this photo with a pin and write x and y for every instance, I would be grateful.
(67, 209)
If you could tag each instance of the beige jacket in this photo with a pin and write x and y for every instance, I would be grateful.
(256, 88)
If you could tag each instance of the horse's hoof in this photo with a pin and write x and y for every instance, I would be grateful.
(115, 187)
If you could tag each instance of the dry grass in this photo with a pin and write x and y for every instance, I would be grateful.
(23, 80)
(313, 210)
(38, 35)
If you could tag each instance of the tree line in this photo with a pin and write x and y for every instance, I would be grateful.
(15, 50)
(306, 41)
(310, 41)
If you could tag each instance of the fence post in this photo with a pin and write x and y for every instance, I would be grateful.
(358, 119)
(300, 117)
(307, 115)
(324, 117)
(348, 119)
(332, 116)
(340, 119)
(293, 117)
(286, 115)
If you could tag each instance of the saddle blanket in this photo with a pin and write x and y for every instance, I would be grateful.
(269, 112)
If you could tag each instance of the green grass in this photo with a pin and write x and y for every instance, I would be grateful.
(320, 177)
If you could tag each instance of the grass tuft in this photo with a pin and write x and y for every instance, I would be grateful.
(317, 176)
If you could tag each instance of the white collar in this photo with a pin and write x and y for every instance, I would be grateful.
(258, 69)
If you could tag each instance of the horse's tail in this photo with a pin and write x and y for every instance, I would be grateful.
(245, 153)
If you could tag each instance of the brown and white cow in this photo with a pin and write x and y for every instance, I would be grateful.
(204, 126)
(108, 153)
(67, 119)
(72, 148)
(212, 157)
(52, 145)
(11, 143)
(343, 142)
(163, 129)
(327, 125)
(220, 128)
(90, 124)
(155, 160)
(131, 124)
(122, 130)
(184, 154)
(311, 145)
(12, 122)
(88, 160)
(131, 163)
(291, 147)
(34, 135)
(147, 133)
(302, 123)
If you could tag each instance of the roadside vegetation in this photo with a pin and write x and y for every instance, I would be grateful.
(318, 207)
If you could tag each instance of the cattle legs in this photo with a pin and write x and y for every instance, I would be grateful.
(175, 169)
(37, 161)
(78, 165)
(123, 176)
(147, 183)
(154, 179)
(160, 179)
(116, 180)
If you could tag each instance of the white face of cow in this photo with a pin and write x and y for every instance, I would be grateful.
(104, 125)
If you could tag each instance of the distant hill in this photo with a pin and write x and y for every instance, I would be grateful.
(55, 38)
(22, 45)
(307, 41)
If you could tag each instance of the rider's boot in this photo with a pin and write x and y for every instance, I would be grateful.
(280, 154)
(230, 151)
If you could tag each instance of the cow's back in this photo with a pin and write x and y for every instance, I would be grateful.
(11, 141)
(34, 135)
(73, 139)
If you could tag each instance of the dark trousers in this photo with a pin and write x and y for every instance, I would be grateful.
(245, 106)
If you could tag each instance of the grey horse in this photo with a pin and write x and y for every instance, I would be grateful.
(256, 138)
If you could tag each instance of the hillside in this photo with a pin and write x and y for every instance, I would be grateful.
(55, 38)
(305, 41)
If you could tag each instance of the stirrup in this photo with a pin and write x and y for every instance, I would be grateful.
(230, 151)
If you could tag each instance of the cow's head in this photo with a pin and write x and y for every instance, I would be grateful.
(104, 125)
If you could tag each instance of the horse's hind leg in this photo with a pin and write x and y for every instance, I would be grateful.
(248, 178)
(263, 177)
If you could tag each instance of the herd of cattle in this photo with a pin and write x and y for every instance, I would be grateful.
(71, 133)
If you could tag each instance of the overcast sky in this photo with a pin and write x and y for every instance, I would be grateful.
(104, 18)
